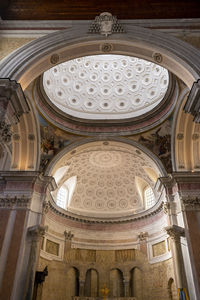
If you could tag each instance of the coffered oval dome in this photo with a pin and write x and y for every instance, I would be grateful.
(109, 87)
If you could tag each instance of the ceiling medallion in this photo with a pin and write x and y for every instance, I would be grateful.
(106, 24)
(106, 47)
(54, 59)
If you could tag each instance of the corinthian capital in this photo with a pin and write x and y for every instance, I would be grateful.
(175, 232)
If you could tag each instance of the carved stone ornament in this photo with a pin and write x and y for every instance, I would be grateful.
(192, 104)
(157, 57)
(175, 232)
(45, 207)
(143, 236)
(106, 24)
(166, 207)
(5, 132)
(21, 202)
(191, 203)
(68, 235)
(106, 47)
(54, 58)
(37, 231)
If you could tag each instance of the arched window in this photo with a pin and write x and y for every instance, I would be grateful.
(65, 192)
(149, 197)
(62, 197)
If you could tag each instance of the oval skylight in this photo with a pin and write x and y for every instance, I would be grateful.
(103, 87)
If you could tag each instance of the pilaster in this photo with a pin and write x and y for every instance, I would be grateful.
(22, 196)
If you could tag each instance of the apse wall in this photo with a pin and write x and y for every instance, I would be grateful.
(126, 273)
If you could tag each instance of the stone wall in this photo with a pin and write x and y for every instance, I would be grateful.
(84, 272)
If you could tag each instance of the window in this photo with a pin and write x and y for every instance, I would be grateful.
(149, 197)
(62, 196)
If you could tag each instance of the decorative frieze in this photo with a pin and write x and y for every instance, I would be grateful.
(191, 203)
(17, 202)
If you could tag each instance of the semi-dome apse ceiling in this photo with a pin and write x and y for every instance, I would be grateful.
(105, 179)
(108, 87)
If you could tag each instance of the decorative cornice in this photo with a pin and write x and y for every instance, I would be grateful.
(92, 220)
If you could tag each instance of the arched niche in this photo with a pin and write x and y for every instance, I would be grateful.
(91, 288)
(116, 283)
(72, 283)
(31, 60)
(136, 284)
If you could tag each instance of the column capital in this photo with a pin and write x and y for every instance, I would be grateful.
(142, 236)
(37, 231)
(175, 232)
(68, 235)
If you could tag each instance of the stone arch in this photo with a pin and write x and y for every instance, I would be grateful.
(91, 288)
(30, 61)
(116, 283)
(186, 139)
(50, 168)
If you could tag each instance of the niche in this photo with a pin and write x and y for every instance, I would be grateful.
(136, 283)
(116, 283)
(72, 282)
(91, 287)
